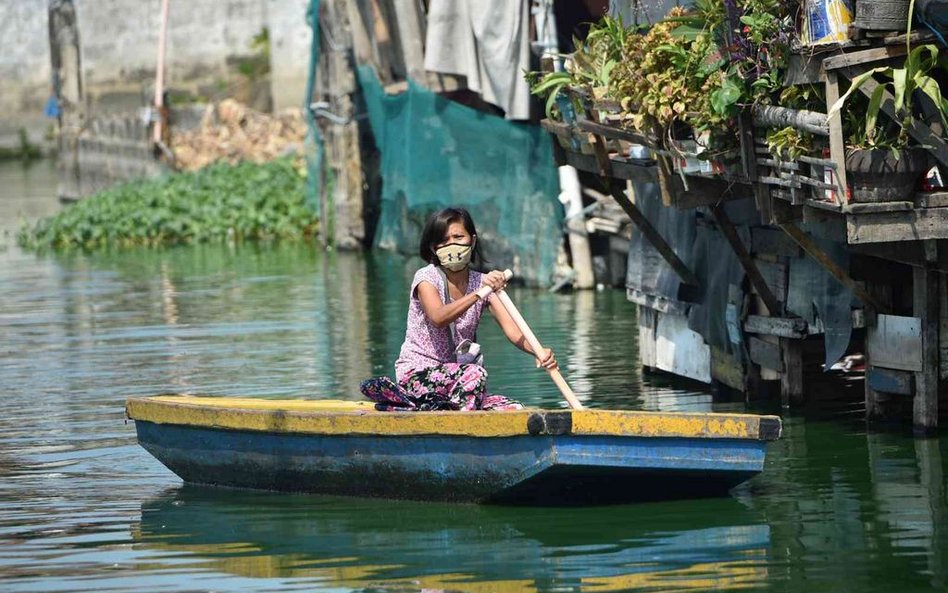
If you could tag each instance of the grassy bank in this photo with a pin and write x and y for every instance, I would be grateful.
(219, 203)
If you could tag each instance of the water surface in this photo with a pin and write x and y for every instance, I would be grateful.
(83, 508)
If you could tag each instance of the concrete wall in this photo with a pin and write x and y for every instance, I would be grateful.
(290, 39)
(24, 68)
(119, 40)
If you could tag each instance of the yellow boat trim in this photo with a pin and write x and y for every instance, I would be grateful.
(334, 417)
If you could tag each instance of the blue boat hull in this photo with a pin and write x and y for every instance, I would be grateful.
(553, 469)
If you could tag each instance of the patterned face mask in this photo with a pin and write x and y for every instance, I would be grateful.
(455, 256)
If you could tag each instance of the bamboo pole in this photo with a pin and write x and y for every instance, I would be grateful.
(160, 73)
(536, 346)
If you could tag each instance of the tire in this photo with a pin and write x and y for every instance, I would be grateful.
(882, 15)
(876, 175)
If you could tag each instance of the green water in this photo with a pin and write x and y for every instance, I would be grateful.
(83, 508)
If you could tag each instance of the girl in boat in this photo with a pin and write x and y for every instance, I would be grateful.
(439, 366)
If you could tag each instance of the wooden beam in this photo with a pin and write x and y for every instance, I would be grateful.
(892, 227)
(620, 170)
(814, 251)
(653, 236)
(937, 199)
(784, 327)
(926, 302)
(878, 207)
(614, 133)
(747, 262)
(656, 303)
(862, 57)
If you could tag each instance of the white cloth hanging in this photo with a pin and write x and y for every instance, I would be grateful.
(487, 41)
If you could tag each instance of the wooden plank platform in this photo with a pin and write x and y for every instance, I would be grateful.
(887, 227)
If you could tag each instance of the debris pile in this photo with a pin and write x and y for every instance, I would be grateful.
(232, 132)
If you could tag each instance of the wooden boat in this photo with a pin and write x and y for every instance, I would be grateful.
(529, 456)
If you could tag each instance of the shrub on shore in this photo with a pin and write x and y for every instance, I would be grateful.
(219, 203)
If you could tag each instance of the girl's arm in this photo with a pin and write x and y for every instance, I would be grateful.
(544, 358)
(440, 314)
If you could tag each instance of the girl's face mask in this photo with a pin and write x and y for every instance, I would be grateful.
(455, 256)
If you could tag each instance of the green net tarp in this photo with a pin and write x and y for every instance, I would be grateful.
(437, 153)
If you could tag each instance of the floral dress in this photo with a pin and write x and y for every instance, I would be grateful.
(427, 375)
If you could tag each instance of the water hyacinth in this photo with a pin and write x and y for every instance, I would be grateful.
(219, 203)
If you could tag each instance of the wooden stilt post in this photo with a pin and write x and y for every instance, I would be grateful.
(926, 304)
(791, 381)
(570, 188)
(875, 400)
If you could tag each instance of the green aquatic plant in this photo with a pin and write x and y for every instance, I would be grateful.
(243, 202)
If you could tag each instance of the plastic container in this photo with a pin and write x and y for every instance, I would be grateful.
(826, 21)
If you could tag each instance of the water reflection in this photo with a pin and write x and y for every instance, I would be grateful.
(403, 546)
(853, 509)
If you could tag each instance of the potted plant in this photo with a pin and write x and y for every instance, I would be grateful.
(882, 163)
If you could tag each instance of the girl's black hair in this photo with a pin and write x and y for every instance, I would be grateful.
(437, 226)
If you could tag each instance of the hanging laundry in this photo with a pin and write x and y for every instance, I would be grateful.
(486, 41)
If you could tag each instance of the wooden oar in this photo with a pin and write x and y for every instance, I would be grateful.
(535, 344)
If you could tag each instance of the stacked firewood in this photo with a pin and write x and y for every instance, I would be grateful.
(232, 132)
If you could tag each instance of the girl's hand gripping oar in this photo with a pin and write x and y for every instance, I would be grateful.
(535, 344)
